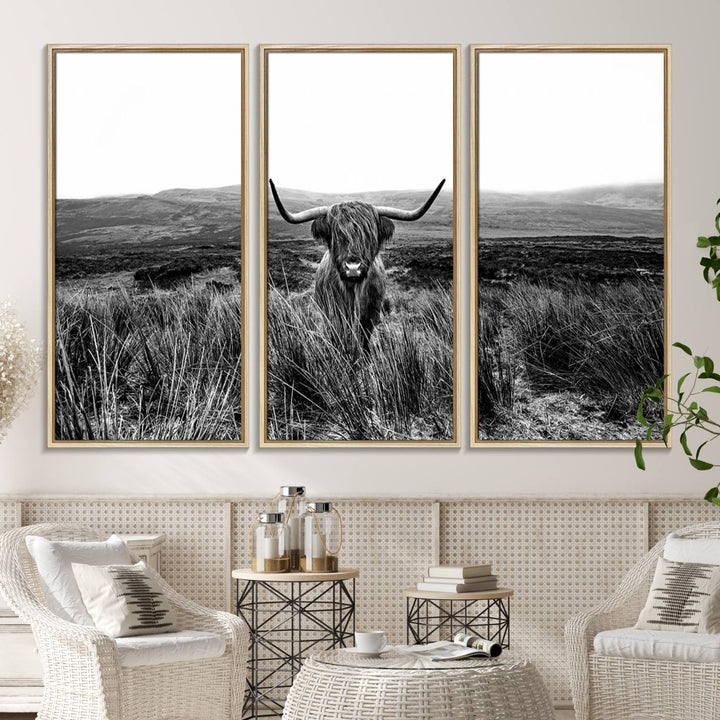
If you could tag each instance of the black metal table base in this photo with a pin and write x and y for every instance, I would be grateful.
(431, 620)
(287, 620)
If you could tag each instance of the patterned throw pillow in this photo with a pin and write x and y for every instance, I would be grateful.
(124, 600)
(684, 597)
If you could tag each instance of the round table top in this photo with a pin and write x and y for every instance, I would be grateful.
(401, 657)
(496, 594)
(342, 574)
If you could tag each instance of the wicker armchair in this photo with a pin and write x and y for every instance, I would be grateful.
(614, 688)
(82, 675)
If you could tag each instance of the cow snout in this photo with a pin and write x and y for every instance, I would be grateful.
(353, 270)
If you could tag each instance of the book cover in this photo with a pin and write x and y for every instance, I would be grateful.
(459, 581)
(457, 588)
(461, 572)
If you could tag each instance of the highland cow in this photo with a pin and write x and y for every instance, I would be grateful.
(350, 281)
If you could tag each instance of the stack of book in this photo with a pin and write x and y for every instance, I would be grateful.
(458, 579)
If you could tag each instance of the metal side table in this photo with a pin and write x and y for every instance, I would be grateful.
(438, 615)
(289, 616)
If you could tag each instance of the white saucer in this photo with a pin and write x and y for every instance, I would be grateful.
(359, 653)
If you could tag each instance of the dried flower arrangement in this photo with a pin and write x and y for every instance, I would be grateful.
(19, 366)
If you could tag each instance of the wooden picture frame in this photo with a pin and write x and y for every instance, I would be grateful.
(478, 437)
(198, 393)
(294, 433)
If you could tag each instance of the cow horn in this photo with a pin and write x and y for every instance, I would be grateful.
(410, 215)
(298, 217)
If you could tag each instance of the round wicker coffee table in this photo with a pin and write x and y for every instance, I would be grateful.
(339, 685)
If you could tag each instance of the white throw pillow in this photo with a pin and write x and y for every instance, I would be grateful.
(683, 597)
(125, 600)
(54, 559)
(692, 550)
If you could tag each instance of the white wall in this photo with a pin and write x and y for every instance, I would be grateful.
(26, 466)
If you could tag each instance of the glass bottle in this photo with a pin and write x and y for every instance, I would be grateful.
(269, 546)
(323, 537)
(292, 503)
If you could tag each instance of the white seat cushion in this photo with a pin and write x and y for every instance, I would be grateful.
(658, 645)
(169, 648)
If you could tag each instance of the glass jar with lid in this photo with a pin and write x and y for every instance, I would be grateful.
(291, 502)
(269, 547)
(322, 537)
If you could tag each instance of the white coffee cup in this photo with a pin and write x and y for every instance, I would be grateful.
(372, 641)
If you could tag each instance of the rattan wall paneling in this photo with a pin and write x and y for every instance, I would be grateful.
(193, 558)
(669, 515)
(559, 556)
(8, 515)
(391, 543)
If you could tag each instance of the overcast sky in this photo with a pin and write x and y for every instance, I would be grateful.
(558, 120)
(348, 122)
(143, 122)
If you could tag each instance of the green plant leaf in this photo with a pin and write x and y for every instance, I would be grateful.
(708, 364)
(703, 242)
(639, 461)
(667, 427)
(709, 376)
(701, 464)
(680, 384)
(699, 361)
(641, 416)
(715, 501)
(683, 347)
(712, 493)
(684, 443)
(700, 447)
(712, 389)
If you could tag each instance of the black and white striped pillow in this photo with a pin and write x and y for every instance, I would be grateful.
(124, 600)
(684, 597)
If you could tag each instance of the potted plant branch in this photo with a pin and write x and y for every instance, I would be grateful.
(685, 410)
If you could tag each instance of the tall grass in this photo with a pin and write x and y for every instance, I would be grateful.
(496, 373)
(604, 342)
(321, 388)
(161, 365)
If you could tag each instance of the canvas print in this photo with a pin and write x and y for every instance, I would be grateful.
(147, 212)
(359, 255)
(570, 232)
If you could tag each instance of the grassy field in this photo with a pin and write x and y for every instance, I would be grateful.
(402, 389)
(571, 312)
(155, 365)
(149, 317)
(567, 362)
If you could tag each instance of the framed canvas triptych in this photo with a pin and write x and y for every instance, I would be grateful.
(359, 211)
(569, 241)
(147, 211)
(359, 244)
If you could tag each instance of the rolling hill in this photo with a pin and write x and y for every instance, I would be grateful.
(618, 210)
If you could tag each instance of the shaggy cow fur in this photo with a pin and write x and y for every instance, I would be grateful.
(350, 281)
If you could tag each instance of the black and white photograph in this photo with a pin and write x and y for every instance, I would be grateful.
(570, 236)
(147, 213)
(360, 299)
